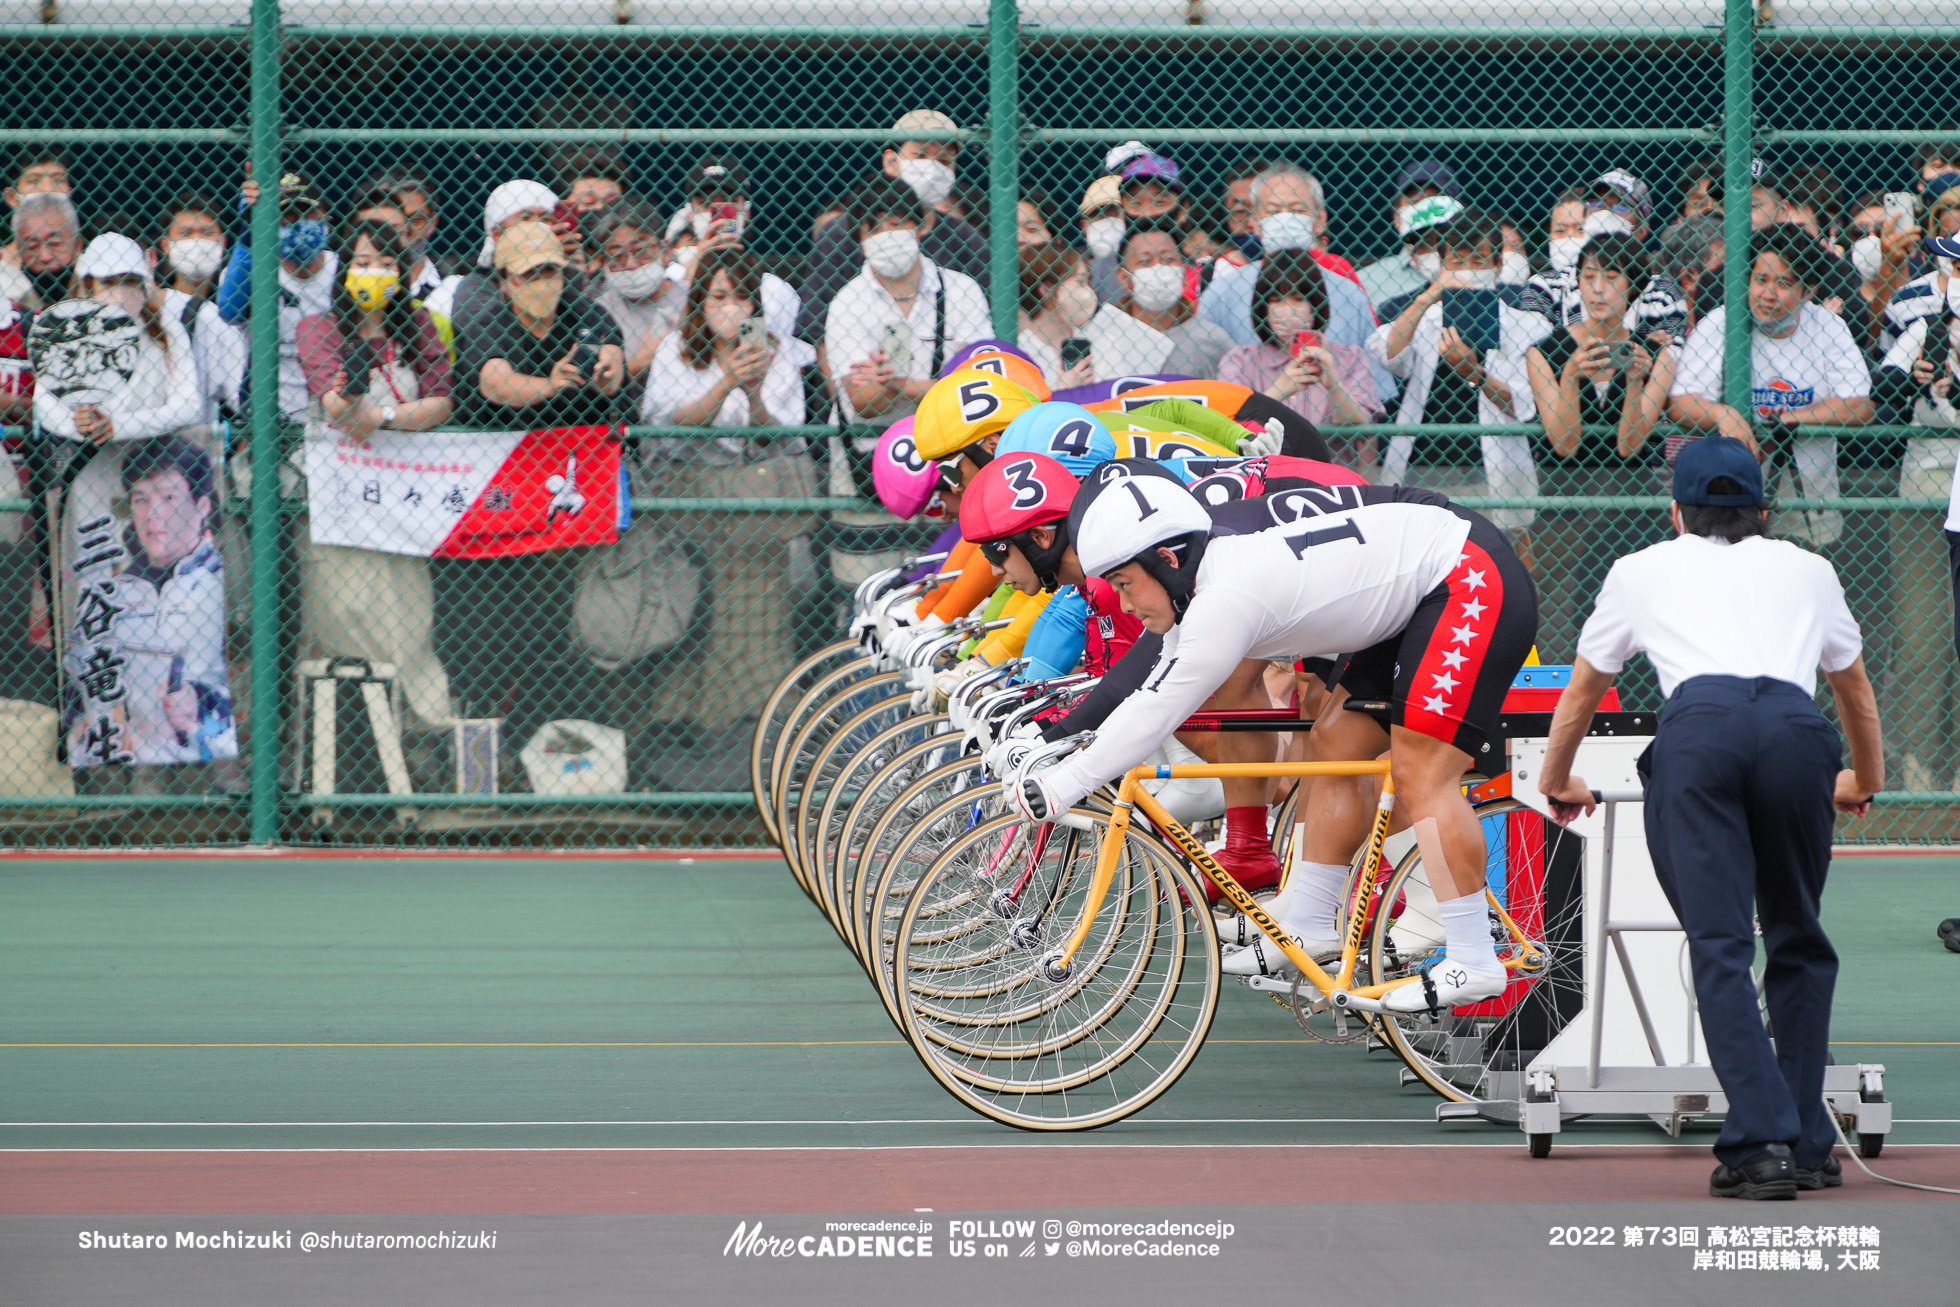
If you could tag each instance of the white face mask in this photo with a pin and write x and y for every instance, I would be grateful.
(1430, 264)
(930, 180)
(197, 259)
(1103, 236)
(1076, 303)
(130, 299)
(892, 253)
(1944, 267)
(1288, 231)
(638, 283)
(1481, 278)
(1867, 253)
(1288, 320)
(1516, 270)
(1158, 287)
(1564, 252)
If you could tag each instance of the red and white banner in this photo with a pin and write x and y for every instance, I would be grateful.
(464, 494)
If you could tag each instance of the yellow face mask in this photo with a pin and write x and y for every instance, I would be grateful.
(372, 290)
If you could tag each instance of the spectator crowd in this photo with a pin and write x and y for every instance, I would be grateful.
(1588, 339)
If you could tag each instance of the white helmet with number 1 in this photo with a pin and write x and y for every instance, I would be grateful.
(1132, 515)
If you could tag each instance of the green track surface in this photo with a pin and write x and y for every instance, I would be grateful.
(640, 1003)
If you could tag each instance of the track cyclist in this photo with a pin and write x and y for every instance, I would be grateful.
(1421, 602)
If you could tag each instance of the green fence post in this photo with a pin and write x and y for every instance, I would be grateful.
(265, 523)
(1738, 152)
(1004, 162)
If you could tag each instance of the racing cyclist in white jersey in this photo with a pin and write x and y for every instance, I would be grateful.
(1423, 604)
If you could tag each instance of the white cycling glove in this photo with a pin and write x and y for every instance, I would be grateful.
(1262, 444)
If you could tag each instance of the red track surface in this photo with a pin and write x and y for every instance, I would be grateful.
(561, 1182)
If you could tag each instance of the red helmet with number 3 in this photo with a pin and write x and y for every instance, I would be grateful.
(1011, 496)
(1014, 493)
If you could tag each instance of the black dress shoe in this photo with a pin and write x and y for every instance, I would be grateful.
(1950, 934)
(1768, 1175)
(1827, 1174)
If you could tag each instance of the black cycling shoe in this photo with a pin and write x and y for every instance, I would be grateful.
(1827, 1174)
(1950, 934)
(1767, 1175)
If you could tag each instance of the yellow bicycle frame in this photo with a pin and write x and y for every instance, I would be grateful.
(1131, 795)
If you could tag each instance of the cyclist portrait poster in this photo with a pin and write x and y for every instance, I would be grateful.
(143, 654)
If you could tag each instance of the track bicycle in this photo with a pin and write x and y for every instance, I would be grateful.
(1103, 1061)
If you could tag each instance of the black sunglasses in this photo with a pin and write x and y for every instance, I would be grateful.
(995, 551)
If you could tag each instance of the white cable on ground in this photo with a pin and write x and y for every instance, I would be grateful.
(1903, 1184)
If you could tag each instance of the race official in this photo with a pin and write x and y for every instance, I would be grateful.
(1741, 781)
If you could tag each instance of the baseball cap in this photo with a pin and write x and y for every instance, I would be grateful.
(925, 120)
(1430, 212)
(1103, 193)
(1605, 222)
(1701, 461)
(1150, 167)
(526, 246)
(717, 175)
(297, 194)
(112, 255)
(1940, 185)
(1944, 247)
(1424, 172)
(1628, 185)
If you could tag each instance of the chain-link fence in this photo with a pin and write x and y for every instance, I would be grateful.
(528, 580)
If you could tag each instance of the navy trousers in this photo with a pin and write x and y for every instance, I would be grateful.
(1739, 782)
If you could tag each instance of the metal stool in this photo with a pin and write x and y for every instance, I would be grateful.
(320, 681)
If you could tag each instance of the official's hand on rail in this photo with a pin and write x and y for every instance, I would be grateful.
(1569, 800)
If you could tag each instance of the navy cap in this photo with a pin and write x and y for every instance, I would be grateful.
(1701, 461)
(1941, 184)
(1943, 247)
(1424, 172)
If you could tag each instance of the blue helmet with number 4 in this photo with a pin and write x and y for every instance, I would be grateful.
(1067, 433)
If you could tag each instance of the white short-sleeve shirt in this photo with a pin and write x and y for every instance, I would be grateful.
(1818, 361)
(1702, 607)
(854, 326)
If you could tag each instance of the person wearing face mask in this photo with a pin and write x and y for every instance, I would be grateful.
(1056, 303)
(900, 296)
(1598, 423)
(635, 289)
(927, 170)
(307, 272)
(710, 373)
(160, 392)
(1328, 384)
(1425, 193)
(1100, 216)
(365, 603)
(409, 190)
(1450, 380)
(47, 237)
(1148, 189)
(517, 355)
(1289, 212)
(1157, 292)
(1805, 369)
(190, 248)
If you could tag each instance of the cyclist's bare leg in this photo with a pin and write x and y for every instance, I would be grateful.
(1429, 783)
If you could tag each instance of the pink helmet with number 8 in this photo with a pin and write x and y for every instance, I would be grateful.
(904, 479)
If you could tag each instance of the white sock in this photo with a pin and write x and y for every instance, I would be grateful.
(1466, 930)
(1314, 899)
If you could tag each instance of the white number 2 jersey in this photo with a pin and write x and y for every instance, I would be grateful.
(1324, 585)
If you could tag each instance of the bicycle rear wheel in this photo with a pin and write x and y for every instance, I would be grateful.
(881, 769)
(1129, 1023)
(1535, 868)
(775, 711)
(822, 713)
(830, 757)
